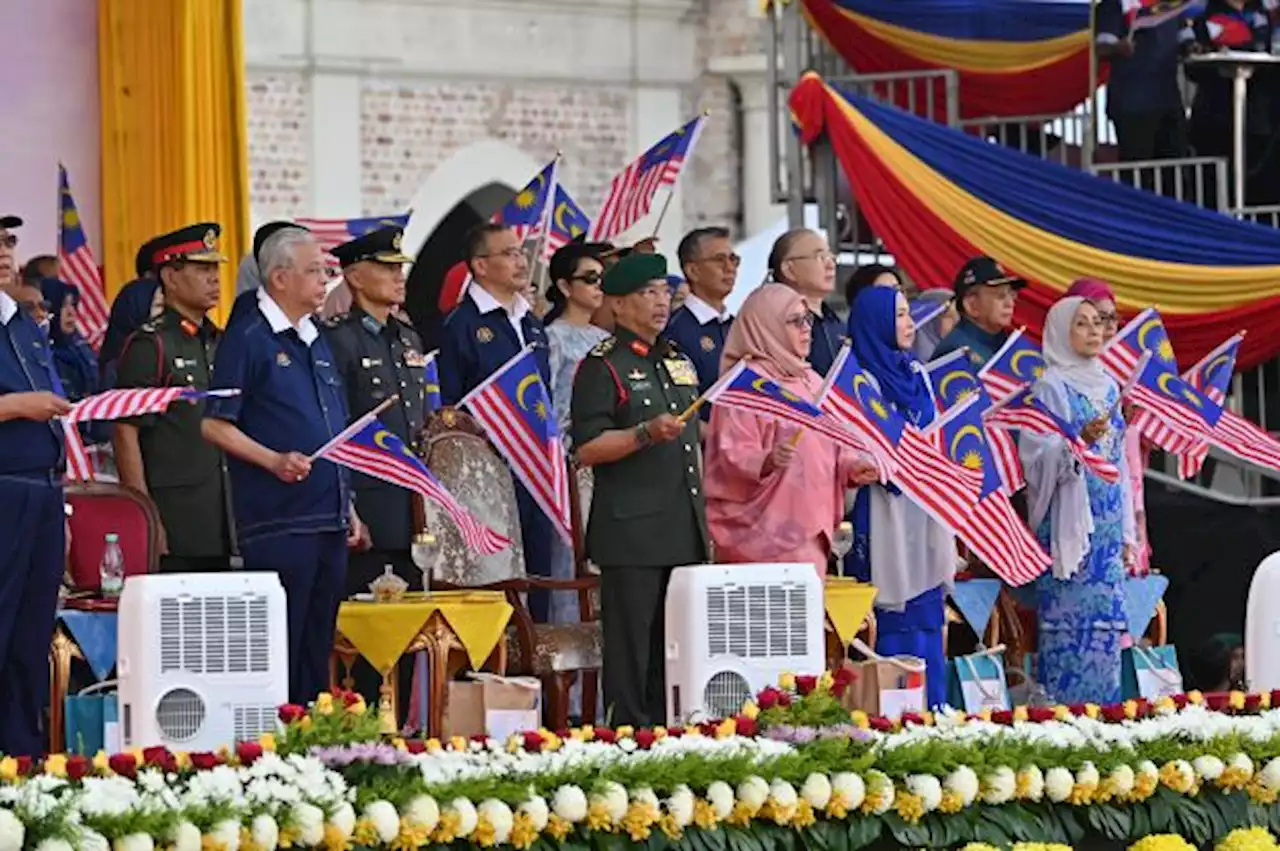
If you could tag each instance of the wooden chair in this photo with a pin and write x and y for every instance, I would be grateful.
(98, 509)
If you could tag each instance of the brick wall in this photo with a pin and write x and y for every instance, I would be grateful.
(279, 109)
(409, 129)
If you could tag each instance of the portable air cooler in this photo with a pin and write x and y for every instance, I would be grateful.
(732, 629)
(202, 659)
(1262, 627)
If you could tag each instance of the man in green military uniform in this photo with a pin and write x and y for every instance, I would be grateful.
(647, 511)
(163, 454)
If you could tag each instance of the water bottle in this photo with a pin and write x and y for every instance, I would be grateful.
(111, 568)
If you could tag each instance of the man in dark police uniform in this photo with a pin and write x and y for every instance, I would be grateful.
(647, 511)
(32, 522)
(162, 454)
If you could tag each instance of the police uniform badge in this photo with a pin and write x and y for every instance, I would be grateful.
(395, 242)
(211, 239)
(636, 375)
(414, 359)
(282, 359)
(682, 372)
(484, 335)
(708, 344)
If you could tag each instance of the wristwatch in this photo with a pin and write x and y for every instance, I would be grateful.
(643, 438)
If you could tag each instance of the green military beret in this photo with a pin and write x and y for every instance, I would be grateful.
(633, 272)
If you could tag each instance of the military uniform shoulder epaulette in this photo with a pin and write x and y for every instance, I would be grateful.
(603, 347)
(151, 326)
(671, 350)
(335, 321)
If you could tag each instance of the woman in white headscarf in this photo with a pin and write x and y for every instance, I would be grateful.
(1085, 523)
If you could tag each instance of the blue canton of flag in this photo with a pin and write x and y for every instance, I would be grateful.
(1017, 364)
(378, 452)
(1212, 377)
(526, 213)
(632, 190)
(79, 268)
(954, 384)
(1163, 392)
(566, 223)
(923, 312)
(1144, 333)
(994, 532)
(514, 408)
(431, 383)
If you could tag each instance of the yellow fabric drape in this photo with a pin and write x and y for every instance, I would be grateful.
(174, 148)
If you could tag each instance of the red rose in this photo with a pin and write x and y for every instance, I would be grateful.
(1252, 702)
(841, 680)
(351, 698)
(880, 723)
(604, 734)
(291, 712)
(708, 728)
(1002, 716)
(675, 732)
(248, 752)
(1112, 712)
(204, 760)
(746, 726)
(1040, 714)
(415, 746)
(156, 756)
(1216, 701)
(768, 697)
(644, 738)
(121, 763)
(532, 741)
(805, 684)
(1077, 709)
(563, 733)
(78, 766)
(912, 718)
(1275, 698)
(479, 738)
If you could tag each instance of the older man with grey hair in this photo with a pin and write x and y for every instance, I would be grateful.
(291, 517)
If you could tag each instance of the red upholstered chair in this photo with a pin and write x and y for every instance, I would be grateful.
(98, 509)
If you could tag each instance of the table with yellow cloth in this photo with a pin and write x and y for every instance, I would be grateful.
(848, 605)
(437, 624)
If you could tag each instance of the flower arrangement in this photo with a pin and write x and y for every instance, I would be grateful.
(793, 766)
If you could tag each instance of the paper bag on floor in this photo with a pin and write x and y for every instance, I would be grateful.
(491, 705)
(885, 686)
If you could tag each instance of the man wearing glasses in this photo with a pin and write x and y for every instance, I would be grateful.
(491, 325)
(699, 327)
(986, 294)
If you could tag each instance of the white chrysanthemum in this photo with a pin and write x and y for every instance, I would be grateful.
(963, 783)
(1031, 782)
(1088, 775)
(680, 806)
(644, 795)
(570, 804)
(783, 794)
(344, 819)
(1208, 767)
(467, 816)
(385, 820)
(1147, 770)
(422, 812)
(1243, 763)
(816, 790)
(91, 840)
(135, 842)
(499, 817)
(54, 845)
(753, 792)
(1122, 779)
(12, 831)
(879, 784)
(185, 836)
(613, 797)
(308, 821)
(536, 809)
(927, 788)
(264, 832)
(1058, 784)
(720, 796)
(1270, 774)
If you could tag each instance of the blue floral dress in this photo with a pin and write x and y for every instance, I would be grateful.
(1082, 619)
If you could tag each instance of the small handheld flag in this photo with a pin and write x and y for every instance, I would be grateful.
(1015, 365)
(955, 384)
(79, 266)
(333, 232)
(1023, 411)
(633, 189)
(431, 383)
(566, 223)
(527, 212)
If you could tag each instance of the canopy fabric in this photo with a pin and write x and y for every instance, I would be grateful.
(1014, 57)
(938, 197)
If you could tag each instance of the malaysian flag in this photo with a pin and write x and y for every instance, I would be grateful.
(1015, 365)
(946, 491)
(1178, 405)
(923, 312)
(526, 213)
(566, 223)
(745, 389)
(954, 384)
(1145, 336)
(1024, 412)
(78, 266)
(117, 405)
(431, 383)
(994, 532)
(514, 408)
(334, 232)
(1143, 14)
(633, 189)
(377, 452)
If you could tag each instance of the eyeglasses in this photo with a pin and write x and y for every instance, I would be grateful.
(721, 259)
(8, 241)
(803, 321)
(591, 279)
(1109, 319)
(509, 253)
(823, 256)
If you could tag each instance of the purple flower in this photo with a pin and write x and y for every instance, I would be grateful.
(803, 735)
(340, 756)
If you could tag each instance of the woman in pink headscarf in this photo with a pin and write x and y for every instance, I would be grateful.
(1102, 297)
(773, 493)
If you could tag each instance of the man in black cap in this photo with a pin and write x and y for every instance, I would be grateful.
(986, 294)
(163, 454)
(647, 511)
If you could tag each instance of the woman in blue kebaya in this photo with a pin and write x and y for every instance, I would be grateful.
(1085, 523)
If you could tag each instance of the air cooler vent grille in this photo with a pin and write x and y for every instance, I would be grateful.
(214, 635)
(757, 621)
(251, 721)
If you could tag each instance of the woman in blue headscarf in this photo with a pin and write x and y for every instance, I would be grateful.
(137, 302)
(73, 357)
(908, 556)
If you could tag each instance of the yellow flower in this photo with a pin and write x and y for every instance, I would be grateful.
(288, 837)
(246, 841)
(726, 729)
(803, 816)
(1091, 710)
(910, 807)
(324, 703)
(750, 710)
(859, 719)
(558, 828)
(871, 802)
(1162, 842)
(1020, 713)
(1082, 794)
(667, 824)
(927, 718)
(305, 723)
(523, 833)
(1166, 704)
(659, 733)
(1061, 713)
(950, 803)
(787, 681)
(741, 815)
(365, 835)
(484, 835)
(1234, 777)
(447, 828)
(458, 743)
(514, 744)
(826, 681)
(1177, 777)
(1264, 700)
(9, 769)
(550, 741)
(268, 741)
(432, 746)
(588, 732)
(598, 817)
(1130, 709)
(984, 714)
(208, 843)
(1039, 846)
(1247, 839)
(837, 806)
(979, 846)
(1261, 794)
(56, 764)
(183, 759)
(101, 763)
(410, 838)
(961, 716)
(357, 707)
(639, 818)
(1194, 697)
(704, 815)
(1235, 700)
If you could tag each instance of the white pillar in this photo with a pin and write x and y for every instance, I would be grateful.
(749, 75)
(335, 146)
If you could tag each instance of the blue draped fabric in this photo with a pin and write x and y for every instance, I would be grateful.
(1141, 594)
(95, 634)
(1099, 213)
(976, 599)
(979, 20)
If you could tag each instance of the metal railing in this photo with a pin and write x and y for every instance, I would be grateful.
(1202, 181)
(1055, 137)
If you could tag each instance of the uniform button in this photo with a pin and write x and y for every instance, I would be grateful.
(693, 491)
(646, 401)
(688, 448)
(377, 380)
(691, 470)
(673, 406)
(402, 384)
(666, 386)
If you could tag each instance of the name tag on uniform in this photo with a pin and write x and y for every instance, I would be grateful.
(415, 359)
(368, 363)
(681, 372)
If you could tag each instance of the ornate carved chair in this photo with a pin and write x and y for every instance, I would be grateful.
(457, 452)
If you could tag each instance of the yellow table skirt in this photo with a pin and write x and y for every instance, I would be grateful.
(848, 602)
(383, 631)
